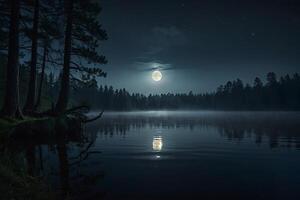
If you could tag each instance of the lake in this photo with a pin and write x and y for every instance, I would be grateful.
(177, 155)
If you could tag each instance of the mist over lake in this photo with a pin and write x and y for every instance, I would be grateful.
(184, 154)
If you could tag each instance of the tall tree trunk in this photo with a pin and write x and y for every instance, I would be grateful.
(29, 105)
(11, 101)
(39, 95)
(63, 97)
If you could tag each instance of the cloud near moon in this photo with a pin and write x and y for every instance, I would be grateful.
(153, 66)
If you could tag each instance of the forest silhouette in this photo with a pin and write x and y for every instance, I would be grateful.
(281, 93)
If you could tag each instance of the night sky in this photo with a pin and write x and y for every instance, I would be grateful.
(198, 45)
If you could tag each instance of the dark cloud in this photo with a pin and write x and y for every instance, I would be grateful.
(151, 66)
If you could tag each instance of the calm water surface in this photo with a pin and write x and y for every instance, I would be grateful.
(179, 155)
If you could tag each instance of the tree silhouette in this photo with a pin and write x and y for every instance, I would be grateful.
(63, 98)
(82, 36)
(11, 101)
(31, 94)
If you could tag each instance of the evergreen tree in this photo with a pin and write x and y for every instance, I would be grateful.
(82, 37)
(30, 101)
(11, 107)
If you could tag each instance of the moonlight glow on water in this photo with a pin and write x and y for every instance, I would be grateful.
(156, 75)
(157, 144)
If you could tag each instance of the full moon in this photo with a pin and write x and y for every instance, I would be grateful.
(156, 75)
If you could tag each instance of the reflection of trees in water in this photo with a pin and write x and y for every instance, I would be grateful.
(62, 155)
(120, 126)
(278, 134)
(280, 130)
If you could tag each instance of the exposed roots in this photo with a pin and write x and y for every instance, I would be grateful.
(94, 118)
(76, 112)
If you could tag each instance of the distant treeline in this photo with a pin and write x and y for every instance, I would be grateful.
(281, 93)
(275, 94)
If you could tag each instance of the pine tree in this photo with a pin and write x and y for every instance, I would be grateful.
(82, 37)
(11, 107)
(31, 94)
